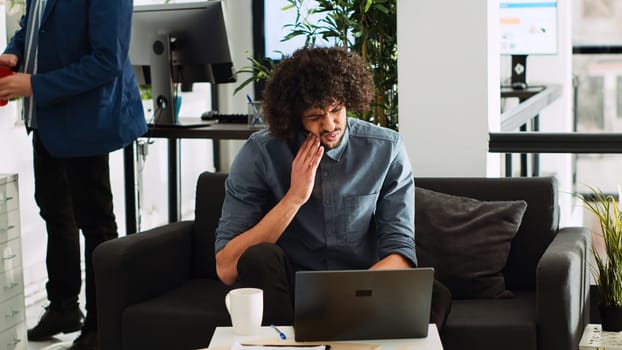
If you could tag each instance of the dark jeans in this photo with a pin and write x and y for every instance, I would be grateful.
(267, 267)
(73, 194)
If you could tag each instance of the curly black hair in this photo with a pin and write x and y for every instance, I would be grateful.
(314, 77)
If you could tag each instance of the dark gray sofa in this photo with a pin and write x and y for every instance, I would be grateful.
(547, 270)
(158, 289)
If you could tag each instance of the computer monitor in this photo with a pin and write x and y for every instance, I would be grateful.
(527, 27)
(179, 43)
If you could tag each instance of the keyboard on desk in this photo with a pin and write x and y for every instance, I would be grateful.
(226, 118)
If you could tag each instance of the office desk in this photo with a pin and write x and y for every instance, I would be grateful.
(213, 131)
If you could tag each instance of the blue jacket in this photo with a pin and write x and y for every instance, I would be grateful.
(85, 93)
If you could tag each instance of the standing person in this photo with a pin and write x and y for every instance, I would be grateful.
(317, 190)
(81, 102)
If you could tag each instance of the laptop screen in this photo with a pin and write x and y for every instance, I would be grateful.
(362, 304)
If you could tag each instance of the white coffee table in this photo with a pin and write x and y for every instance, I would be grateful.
(224, 337)
(595, 339)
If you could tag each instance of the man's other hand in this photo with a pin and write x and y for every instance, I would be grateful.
(8, 59)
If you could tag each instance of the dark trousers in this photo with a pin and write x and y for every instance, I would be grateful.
(73, 194)
(267, 267)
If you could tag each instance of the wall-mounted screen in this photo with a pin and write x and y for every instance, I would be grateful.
(528, 27)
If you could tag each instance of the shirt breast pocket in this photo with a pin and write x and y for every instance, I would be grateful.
(360, 211)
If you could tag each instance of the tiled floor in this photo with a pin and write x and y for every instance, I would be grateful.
(60, 342)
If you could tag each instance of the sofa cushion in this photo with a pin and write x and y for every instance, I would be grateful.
(467, 241)
(540, 221)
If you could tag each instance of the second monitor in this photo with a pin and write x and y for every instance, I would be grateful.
(527, 27)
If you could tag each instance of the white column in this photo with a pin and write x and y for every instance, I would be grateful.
(239, 29)
(448, 76)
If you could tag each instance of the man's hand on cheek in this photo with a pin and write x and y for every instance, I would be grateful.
(304, 167)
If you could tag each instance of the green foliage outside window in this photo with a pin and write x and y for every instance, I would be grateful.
(368, 27)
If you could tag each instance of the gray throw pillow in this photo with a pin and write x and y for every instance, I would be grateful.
(467, 241)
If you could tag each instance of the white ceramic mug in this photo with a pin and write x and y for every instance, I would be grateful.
(245, 306)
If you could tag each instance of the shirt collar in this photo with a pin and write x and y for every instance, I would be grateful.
(336, 153)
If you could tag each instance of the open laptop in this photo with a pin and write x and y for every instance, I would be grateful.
(362, 304)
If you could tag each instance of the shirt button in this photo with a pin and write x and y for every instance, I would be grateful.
(325, 174)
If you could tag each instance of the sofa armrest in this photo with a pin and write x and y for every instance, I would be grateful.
(562, 284)
(135, 268)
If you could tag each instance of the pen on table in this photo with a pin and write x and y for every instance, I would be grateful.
(281, 334)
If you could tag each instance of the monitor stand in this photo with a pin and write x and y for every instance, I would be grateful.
(161, 83)
(519, 72)
(164, 101)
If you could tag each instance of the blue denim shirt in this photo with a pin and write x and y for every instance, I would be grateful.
(361, 208)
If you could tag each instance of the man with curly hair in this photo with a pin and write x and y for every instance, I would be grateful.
(317, 190)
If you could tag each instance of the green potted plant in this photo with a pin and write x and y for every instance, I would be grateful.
(607, 268)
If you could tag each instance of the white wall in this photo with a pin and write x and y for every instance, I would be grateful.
(448, 76)
(240, 28)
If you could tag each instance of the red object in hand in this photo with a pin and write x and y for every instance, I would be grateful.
(4, 71)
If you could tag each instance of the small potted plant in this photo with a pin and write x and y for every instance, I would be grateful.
(607, 268)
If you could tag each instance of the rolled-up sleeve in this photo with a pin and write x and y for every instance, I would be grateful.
(395, 213)
(246, 198)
